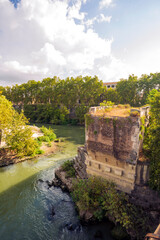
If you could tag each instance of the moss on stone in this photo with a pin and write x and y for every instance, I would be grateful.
(88, 119)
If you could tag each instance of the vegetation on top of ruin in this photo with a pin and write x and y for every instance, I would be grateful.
(110, 110)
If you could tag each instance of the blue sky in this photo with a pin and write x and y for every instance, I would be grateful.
(107, 38)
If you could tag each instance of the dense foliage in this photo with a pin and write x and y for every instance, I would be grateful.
(102, 199)
(69, 169)
(48, 135)
(57, 101)
(152, 140)
(16, 133)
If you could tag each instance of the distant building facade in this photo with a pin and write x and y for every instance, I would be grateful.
(110, 85)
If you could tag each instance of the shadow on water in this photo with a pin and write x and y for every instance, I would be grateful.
(29, 210)
(26, 212)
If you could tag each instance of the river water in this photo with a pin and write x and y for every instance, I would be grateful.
(26, 203)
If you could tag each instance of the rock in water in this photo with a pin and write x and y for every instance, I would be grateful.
(50, 184)
(73, 226)
(53, 212)
(40, 180)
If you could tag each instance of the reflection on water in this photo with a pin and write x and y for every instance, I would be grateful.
(26, 204)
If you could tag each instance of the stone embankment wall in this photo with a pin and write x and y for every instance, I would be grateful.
(113, 145)
(79, 163)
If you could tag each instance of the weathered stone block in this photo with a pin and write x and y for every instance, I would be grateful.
(118, 172)
(108, 169)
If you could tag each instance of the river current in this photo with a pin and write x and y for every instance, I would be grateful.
(26, 203)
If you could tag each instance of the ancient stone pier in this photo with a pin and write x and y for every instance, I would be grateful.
(113, 144)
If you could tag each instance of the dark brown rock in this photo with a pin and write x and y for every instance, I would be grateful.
(63, 181)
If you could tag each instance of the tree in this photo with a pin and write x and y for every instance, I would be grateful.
(20, 140)
(127, 91)
(17, 134)
(146, 83)
(111, 95)
(152, 139)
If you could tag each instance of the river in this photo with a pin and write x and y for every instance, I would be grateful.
(26, 203)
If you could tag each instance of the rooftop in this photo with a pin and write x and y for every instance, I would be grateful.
(109, 83)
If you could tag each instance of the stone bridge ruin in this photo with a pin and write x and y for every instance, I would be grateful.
(113, 145)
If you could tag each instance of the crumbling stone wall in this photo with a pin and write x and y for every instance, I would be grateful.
(113, 147)
(79, 163)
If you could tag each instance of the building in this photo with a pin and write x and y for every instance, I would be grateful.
(110, 85)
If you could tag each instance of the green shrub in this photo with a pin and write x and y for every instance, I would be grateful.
(143, 120)
(43, 139)
(88, 119)
(48, 132)
(39, 142)
(140, 137)
(152, 140)
(142, 128)
(102, 199)
(69, 169)
(135, 114)
(39, 151)
(106, 103)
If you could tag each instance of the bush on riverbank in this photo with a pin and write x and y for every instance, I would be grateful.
(48, 136)
(100, 197)
(69, 169)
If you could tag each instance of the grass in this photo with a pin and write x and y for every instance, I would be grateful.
(113, 112)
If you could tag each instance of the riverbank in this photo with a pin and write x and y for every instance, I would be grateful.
(8, 156)
(45, 148)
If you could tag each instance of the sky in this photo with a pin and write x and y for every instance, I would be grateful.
(65, 38)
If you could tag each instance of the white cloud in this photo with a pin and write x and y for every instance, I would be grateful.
(103, 18)
(41, 39)
(74, 11)
(100, 18)
(49, 55)
(105, 3)
(115, 70)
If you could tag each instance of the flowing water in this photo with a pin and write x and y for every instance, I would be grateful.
(26, 203)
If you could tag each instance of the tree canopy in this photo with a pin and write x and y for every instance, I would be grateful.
(152, 139)
(60, 101)
(17, 135)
